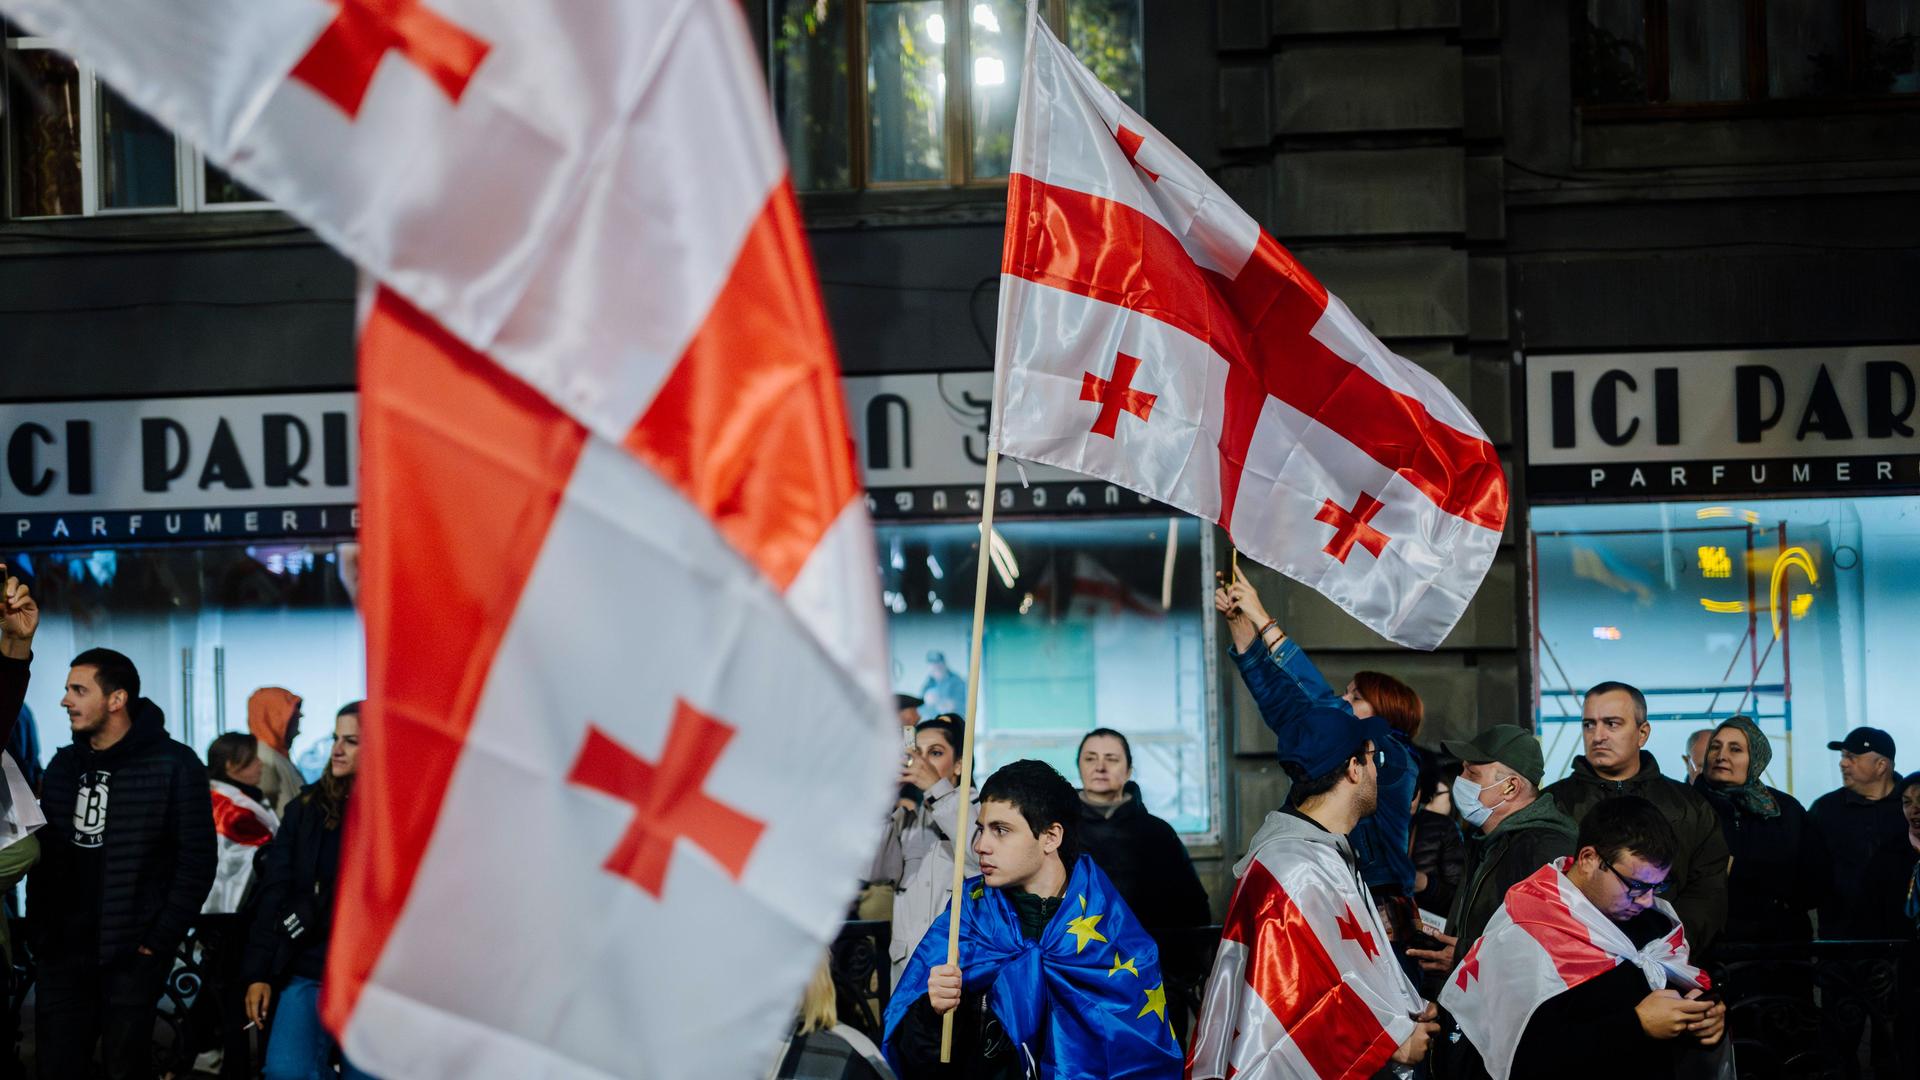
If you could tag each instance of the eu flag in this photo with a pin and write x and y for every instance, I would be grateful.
(1085, 1001)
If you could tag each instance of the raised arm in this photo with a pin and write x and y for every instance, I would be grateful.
(1283, 681)
(19, 619)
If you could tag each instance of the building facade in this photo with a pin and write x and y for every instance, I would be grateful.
(1633, 236)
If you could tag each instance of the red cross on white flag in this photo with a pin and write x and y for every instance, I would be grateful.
(1273, 411)
(627, 721)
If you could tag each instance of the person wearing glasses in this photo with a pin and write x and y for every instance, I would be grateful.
(1614, 730)
(1585, 970)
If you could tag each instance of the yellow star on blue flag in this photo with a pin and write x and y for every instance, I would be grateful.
(1083, 930)
(1156, 1003)
(1120, 965)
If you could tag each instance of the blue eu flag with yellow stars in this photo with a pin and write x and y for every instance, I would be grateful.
(1085, 1001)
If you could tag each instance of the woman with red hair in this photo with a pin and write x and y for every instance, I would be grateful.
(1285, 685)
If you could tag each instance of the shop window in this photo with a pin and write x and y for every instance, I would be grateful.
(77, 149)
(1729, 53)
(1798, 613)
(206, 627)
(922, 93)
(1090, 623)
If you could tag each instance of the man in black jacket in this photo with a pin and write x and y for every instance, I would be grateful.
(1614, 728)
(127, 861)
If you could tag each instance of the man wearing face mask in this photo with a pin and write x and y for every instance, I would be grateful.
(1519, 829)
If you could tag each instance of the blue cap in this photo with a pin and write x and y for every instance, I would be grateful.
(1318, 742)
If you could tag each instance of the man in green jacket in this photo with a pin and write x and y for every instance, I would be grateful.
(1518, 831)
(1614, 728)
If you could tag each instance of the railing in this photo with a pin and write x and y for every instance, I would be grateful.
(1796, 1012)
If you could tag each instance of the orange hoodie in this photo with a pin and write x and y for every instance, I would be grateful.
(269, 712)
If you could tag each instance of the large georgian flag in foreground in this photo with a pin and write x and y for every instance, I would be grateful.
(627, 732)
(1548, 938)
(1305, 985)
(1152, 335)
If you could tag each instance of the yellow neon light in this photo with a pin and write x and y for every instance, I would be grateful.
(1715, 562)
(1706, 513)
(1800, 605)
(1724, 607)
(1793, 556)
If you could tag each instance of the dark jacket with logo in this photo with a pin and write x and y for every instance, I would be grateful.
(1145, 860)
(1872, 864)
(293, 916)
(156, 859)
(1699, 871)
(1529, 839)
(1780, 869)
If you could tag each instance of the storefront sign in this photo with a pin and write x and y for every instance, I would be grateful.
(1701, 424)
(154, 470)
(922, 443)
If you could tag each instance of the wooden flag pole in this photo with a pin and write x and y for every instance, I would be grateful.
(960, 836)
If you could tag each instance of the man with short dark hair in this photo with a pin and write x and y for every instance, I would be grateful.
(1584, 969)
(1614, 728)
(1517, 830)
(1866, 835)
(127, 860)
(1696, 759)
(1304, 971)
(1056, 976)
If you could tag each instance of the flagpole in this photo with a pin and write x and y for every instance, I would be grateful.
(960, 838)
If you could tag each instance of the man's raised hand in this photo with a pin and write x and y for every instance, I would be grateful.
(19, 616)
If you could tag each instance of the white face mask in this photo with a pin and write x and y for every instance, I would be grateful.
(1466, 797)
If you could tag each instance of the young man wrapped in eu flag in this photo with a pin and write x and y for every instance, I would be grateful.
(1056, 978)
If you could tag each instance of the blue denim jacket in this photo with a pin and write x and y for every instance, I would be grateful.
(1285, 684)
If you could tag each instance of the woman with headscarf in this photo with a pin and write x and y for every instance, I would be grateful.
(273, 716)
(1780, 865)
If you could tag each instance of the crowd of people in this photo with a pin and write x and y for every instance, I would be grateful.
(131, 839)
(1390, 881)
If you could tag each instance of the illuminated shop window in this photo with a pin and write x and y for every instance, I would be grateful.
(1090, 623)
(1796, 612)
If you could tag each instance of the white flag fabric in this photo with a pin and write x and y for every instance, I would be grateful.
(627, 727)
(1153, 336)
(1548, 938)
(1305, 985)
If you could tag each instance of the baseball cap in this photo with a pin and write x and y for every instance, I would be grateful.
(906, 701)
(1509, 744)
(1318, 742)
(1865, 740)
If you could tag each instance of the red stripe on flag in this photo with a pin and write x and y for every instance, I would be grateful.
(466, 470)
(751, 425)
(1536, 906)
(1260, 322)
(1289, 968)
(238, 824)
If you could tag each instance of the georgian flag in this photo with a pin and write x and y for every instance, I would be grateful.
(1548, 938)
(1153, 336)
(1305, 985)
(627, 723)
(241, 827)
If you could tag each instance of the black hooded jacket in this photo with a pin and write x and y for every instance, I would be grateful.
(1145, 860)
(145, 879)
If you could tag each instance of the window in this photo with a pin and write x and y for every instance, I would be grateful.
(1697, 52)
(922, 93)
(77, 149)
(1796, 612)
(206, 627)
(1090, 623)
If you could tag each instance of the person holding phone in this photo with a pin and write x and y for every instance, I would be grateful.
(917, 851)
(287, 947)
